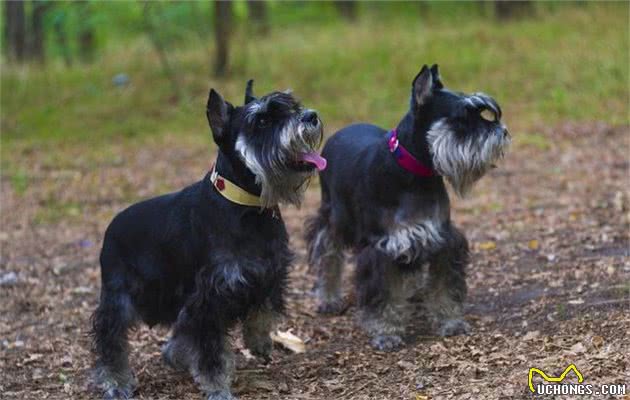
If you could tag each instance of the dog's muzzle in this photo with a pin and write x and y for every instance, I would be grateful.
(312, 135)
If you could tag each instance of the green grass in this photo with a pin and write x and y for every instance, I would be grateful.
(19, 181)
(567, 63)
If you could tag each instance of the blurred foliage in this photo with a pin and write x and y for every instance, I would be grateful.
(567, 61)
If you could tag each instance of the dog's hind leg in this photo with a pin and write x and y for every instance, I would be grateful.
(110, 324)
(383, 299)
(446, 286)
(326, 258)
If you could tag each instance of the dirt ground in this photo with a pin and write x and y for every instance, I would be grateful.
(549, 283)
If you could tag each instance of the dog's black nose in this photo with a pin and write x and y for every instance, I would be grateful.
(309, 117)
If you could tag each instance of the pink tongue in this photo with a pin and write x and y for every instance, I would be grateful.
(315, 159)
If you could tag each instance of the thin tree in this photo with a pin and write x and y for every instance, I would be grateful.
(15, 30)
(258, 15)
(59, 25)
(222, 23)
(510, 9)
(347, 9)
(86, 35)
(160, 49)
(36, 40)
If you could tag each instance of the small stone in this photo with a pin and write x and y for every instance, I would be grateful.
(37, 374)
(8, 279)
(120, 80)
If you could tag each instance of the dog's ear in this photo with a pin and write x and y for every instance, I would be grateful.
(435, 73)
(249, 92)
(423, 85)
(218, 113)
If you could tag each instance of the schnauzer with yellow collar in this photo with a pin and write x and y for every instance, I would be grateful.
(213, 254)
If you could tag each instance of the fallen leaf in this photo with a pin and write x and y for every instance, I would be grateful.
(289, 341)
(597, 341)
(82, 290)
(247, 354)
(33, 357)
(577, 348)
(531, 335)
(533, 244)
(406, 365)
(490, 245)
(260, 384)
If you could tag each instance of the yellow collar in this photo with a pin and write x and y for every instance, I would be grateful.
(232, 192)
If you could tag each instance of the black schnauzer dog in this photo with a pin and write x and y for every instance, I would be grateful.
(215, 253)
(383, 196)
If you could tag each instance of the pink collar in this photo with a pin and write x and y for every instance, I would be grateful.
(405, 159)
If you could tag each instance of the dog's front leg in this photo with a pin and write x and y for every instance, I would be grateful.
(256, 328)
(382, 299)
(200, 344)
(446, 286)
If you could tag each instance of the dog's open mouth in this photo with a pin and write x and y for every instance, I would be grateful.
(307, 161)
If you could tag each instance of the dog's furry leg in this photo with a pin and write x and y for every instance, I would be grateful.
(208, 358)
(216, 383)
(325, 255)
(110, 323)
(177, 352)
(200, 341)
(446, 287)
(256, 328)
(382, 299)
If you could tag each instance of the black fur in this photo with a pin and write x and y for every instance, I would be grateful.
(196, 261)
(397, 222)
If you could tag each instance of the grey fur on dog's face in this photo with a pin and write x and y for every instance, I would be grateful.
(274, 137)
(275, 134)
(467, 139)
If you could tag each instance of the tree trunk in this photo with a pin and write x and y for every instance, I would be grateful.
(86, 32)
(62, 39)
(512, 9)
(347, 9)
(36, 41)
(160, 48)
(257, 10)
(15, 34)
(222, 22)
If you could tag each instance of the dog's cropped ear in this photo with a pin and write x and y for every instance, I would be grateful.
(218, 113)
(435, 73)
(423, 86)
(249, 92)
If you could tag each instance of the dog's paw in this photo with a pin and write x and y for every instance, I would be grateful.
(332, 307)
(387, 342)
(221, 395)
(453, 327)
(171, 358)
(261, 348)
(118, 393)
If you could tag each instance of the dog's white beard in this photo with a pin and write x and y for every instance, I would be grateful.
(463, 162)
(278, 183)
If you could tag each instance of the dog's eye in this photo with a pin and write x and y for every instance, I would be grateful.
(488, 115)
(262, 122)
